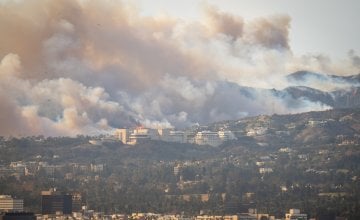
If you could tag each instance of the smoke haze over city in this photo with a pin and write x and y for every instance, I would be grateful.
(86, 67)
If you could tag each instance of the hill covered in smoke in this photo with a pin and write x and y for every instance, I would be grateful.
(84, 67)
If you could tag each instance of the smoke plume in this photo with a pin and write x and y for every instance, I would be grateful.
(85, 67)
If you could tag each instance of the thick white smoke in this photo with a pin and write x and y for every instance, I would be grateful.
(83, 67)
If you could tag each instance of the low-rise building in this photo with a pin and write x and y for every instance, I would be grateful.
(226, 135)
(256, 131)
(9, 204)
(315, 123)
(247, 216)
(264, 170)
(294, 214)
(209, 217)
(97, 168)
(18, 216)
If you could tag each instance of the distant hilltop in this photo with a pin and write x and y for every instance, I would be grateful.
(140, 134)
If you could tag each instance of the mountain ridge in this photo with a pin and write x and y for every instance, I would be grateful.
(303, 75)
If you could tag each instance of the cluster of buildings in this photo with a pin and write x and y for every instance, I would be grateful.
(252, 214)
(140, 134)
(32, 168)
(56, 205)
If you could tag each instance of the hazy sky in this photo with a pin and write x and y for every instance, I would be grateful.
(86, 66)
(330, 27)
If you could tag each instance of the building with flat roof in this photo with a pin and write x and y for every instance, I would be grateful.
(122, 135)
(137, 135)
(208, 138)
(264, 170)
(140, 134)
(226, 135)
(53, 202)
(76, 202)
(294, 214)
(18, 216)
(9, 204)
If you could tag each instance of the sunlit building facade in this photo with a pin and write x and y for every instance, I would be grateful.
(9, 204)
(138, 135)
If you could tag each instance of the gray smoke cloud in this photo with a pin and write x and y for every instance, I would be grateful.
(221, 22)
(355, 59)
(86, 67)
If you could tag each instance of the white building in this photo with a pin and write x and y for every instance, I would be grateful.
(177, 136)
(264, 170)
(122, 135)
(164, 134)
(208, 138)
(139, 135)
(134, 136)
(294, 214)
(9, 204)
(226, 135)
(96, 168)
(314, 123)
(285, 150)
(256, 131)
(170, 135)
(177, 169)
(260, 163)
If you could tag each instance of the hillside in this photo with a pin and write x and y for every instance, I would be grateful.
(293, 130)
(331, 90)
(278, 162)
